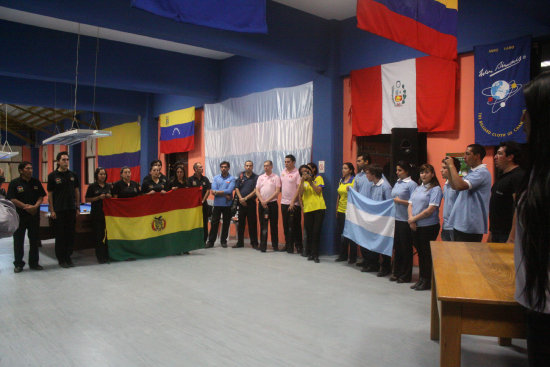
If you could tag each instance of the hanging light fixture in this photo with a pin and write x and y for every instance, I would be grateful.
(76, 135)
(6, 152)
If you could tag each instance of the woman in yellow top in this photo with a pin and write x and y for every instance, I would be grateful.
(313, 204)
(348, 174)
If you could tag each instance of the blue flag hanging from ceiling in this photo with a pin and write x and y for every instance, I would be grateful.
(501, 72)
(235, 15)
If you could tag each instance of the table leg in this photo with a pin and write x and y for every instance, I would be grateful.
(449, 344)
(434, 322)
(505, 342)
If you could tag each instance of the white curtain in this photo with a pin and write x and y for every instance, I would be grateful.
(259, 127)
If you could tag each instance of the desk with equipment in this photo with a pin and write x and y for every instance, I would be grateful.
(84, 238)
(474, 285)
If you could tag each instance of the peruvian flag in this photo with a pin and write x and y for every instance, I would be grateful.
(415, 93)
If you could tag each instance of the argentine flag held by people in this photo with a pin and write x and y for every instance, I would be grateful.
(370, 223)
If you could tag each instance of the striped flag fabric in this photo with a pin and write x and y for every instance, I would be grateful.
(414, 93)
(177, 131)
(120, 149)
(369, 223)
(154, 225)
(259, 127)
(426, 25)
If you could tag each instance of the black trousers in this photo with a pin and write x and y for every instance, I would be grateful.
(272, 220)
(248, 214)
(313, 222)
(205, 214)
(345, 243)
(370, 258)
(101, 250)
(292, 225)
(64, 227)
(403, 250)
(466, 237)
(499, 237)
(217, 212)
(31, 224)
(538, 338)
(422, 237)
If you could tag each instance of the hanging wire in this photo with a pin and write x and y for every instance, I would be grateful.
(56, 128)
(76, 80)
(95, 79)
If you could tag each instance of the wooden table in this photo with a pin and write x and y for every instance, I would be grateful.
(474, 283)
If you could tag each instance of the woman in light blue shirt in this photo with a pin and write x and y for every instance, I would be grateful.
(423, 214)
(402, 238)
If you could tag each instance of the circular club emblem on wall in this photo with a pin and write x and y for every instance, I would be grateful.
(158, 224)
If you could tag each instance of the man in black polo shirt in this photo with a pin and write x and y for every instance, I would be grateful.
(501, 205)
(63, 200)
(26, 193)
(198, 180)
(245, 188)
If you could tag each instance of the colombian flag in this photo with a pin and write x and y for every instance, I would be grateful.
(120, 149)
(426, 25)
(154, 225)
(177, 131)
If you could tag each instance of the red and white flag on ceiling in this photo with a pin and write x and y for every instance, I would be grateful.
(415, 93)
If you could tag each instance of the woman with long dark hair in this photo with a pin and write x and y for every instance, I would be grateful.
(95, 194)
(180, 180)
(532, 237)
(402, 238)
(348, 174)
(423, 214)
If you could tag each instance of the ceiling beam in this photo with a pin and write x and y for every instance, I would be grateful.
(31, 112)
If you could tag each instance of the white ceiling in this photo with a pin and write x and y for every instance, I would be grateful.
(327, 9)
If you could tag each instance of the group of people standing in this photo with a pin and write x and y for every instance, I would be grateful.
(469, 201)
(256, 196)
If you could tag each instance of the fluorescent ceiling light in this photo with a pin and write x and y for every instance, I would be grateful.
(76, 136)
(545, 64)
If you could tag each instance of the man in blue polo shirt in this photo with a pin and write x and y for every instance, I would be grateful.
(362, 185)
(222, 189)
(471, 208)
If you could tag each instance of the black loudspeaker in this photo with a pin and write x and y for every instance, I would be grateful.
(408, 145)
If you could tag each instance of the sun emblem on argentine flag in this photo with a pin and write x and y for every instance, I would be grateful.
(159, 223)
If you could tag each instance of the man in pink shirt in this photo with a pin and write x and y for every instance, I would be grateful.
(267, 191)
(290, 206)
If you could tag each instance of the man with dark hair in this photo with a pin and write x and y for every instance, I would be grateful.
(449, 198)
(26, 193)
(290, 206)
(503, 192)
(64, 201)
(268, 187)
(471, 209)
(380, 190)
(199, 180)
(362, 185)
(245, 189)
(222, 189)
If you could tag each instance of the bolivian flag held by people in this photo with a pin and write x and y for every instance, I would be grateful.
(177, 131)
(154, 225)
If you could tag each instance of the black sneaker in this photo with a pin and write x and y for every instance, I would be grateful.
(18, 269)
(64, 265)
(36, 267)
(70, 263)
(224, 245)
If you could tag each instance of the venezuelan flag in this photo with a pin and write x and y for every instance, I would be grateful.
(426, 25)
(177, 131)
(120, 149)
(154, 225)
